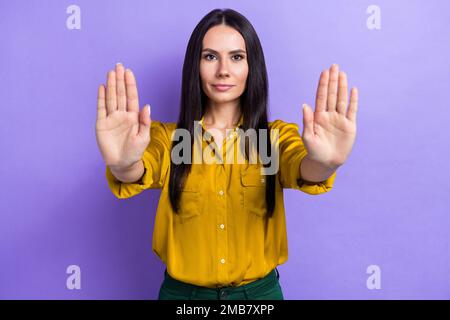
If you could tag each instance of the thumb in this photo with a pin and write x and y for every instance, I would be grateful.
(144, 121)
(308, 119)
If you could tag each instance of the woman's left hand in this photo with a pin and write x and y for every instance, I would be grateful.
(330, 131)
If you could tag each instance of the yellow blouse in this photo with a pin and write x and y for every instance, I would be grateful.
(220, 238)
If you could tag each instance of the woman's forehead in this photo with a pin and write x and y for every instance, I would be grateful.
(223, 39)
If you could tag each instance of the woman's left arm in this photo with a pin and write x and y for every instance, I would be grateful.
(330, 131)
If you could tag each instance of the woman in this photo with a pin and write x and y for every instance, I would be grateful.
(220, 226)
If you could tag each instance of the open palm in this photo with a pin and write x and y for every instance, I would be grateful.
(330, 131)
(122, 131)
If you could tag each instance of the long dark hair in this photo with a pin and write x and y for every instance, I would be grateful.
(253, 101)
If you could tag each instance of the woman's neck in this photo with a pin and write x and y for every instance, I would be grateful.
(222, 116)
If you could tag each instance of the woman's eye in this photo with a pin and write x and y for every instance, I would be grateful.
(208, 55)
(238, 55)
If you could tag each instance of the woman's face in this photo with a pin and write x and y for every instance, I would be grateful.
(223, 61)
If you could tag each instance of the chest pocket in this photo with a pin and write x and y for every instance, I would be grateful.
(254, 191)
(189, 202)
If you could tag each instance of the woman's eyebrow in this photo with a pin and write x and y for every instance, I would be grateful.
(233, 51)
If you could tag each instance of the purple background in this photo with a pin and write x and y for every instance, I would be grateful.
(390, 202)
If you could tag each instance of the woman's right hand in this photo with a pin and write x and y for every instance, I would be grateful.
(122, 132)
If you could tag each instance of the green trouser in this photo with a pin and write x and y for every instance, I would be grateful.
(267, 288)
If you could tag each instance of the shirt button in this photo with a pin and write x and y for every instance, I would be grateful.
(222, 261)
(262, 180)
(221, 192)
(222, 226)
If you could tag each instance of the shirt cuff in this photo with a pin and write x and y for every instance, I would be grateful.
(124, 190)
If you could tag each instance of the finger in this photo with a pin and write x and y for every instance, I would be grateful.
(111, 102)
(120, 88)
(332, 88)
(308, 120)
(132, 93)
(322, 92)
(101, 103)
(145, 121)
(353, 108)
(342, 93)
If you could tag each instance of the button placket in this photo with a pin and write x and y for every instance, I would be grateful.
(221, 216)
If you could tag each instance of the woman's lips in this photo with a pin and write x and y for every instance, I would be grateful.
(222, 88)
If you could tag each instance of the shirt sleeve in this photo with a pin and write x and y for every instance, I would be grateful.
(156, 159)
(292, 151)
